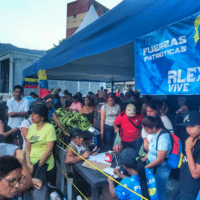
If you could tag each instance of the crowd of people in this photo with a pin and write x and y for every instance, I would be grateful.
(27, 141)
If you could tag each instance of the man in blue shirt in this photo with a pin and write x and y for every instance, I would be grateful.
(31, 98)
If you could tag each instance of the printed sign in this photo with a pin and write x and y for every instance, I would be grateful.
(167, 61)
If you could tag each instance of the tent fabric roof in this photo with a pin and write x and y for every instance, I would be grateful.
(90, 17)
(103, 51)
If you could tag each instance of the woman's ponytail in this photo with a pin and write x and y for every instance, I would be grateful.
(142, 178)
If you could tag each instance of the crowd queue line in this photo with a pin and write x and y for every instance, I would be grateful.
(139, 124)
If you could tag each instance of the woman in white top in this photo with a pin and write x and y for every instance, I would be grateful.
(152, 109)
(25, 125)
(24, 130)
(109, 112)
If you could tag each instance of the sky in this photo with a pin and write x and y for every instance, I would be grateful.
(36, 24)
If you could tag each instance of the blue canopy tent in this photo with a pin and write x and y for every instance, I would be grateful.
(103, 51)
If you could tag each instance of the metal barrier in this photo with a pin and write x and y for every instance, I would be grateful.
(62, 153)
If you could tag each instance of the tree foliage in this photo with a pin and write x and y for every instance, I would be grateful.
(54, 45)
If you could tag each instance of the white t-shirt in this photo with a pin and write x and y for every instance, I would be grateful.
(25, 124)
(167, 124)
(7, 149)
(164, 144)
(15, 106)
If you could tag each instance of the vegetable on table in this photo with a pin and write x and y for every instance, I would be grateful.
(69, 121)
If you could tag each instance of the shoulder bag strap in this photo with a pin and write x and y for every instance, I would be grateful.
(134, 124)
(161, 132)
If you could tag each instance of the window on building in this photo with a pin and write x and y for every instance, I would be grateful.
(4, 76)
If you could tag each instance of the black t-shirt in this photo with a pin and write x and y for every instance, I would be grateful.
(90, 116)
(187, 183)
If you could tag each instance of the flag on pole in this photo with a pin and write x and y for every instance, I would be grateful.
(43, 84)
(31, 83)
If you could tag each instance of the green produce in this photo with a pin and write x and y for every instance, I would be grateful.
(69, 121)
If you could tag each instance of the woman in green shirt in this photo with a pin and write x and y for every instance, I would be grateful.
(40, 143)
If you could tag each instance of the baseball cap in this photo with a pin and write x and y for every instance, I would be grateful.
(126, 157)
(130, 110)
(192, 119)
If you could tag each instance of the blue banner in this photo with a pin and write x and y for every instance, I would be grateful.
(167, 61)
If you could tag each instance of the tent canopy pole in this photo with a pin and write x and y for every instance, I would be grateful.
(112, 87)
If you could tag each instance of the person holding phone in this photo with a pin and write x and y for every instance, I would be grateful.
(141, 179)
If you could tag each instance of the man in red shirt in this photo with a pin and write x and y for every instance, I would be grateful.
(128, 123)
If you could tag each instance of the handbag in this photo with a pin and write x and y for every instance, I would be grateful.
(40, 173)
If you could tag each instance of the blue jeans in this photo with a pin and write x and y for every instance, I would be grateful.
(109, 135)
(161, 176)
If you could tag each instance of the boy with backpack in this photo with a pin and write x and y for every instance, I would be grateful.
(189, 180)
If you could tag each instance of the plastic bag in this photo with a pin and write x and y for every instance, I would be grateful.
(118, 147)
(142, 152)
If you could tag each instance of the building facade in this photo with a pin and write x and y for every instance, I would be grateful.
(12, 65)
(77, 10)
